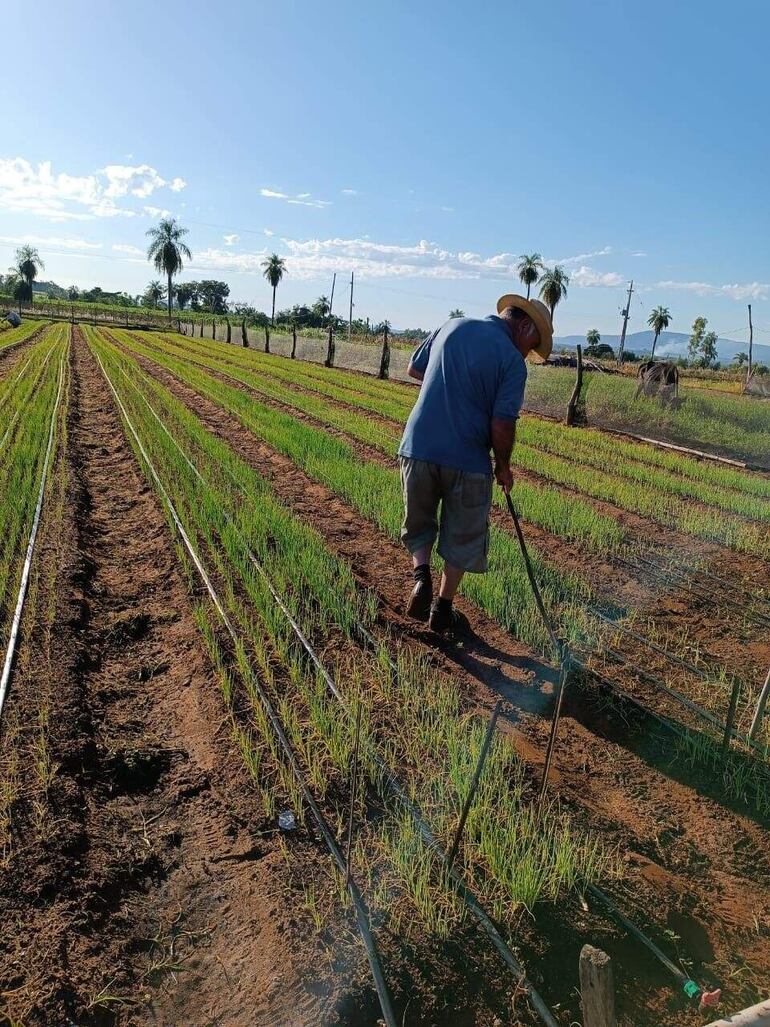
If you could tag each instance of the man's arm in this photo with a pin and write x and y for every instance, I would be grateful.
(503, 432)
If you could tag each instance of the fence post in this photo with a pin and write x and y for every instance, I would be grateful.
(214, 329)
(293, 342)
(244, 333)
(385, 357)
(760, 709)
(179, 325)
(267, 339)
(201, 324)
(597, 990)
(329, 362)
(229, 329)
(569, 420)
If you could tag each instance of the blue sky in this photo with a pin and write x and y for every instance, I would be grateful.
(422, 145)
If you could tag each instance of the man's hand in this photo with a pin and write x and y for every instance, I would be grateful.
(504, 476)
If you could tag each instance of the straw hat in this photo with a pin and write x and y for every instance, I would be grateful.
(540, 314)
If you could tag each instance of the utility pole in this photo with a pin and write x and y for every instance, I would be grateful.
(625, 313)
(350, 318)
(331, 298)
(751, 347)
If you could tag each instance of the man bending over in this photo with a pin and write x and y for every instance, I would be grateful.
(473, 376)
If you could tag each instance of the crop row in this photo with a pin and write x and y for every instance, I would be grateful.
(26, 402)
(414, 720)
(12, 336)
(547, 450)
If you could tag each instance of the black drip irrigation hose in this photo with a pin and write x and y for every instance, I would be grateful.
(388, 777)
(362, 916)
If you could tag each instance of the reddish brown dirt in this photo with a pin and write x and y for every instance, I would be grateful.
(146, 874)
(692, 865)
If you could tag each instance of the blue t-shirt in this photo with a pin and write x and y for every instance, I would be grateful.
(472, 373)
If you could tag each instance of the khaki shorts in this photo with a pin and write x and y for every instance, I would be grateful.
(465, 498)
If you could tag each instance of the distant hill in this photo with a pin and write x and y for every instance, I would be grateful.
(669, 344)
(51, 289)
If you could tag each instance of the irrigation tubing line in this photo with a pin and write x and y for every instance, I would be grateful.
(16, 380)
(326, 832)
(5, 677)
(685, 664)
(388, 777)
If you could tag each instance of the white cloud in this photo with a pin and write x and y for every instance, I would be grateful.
(176, 185)
(36, 189)
(54, 242)
(736, 291)
(580, 258)
(231, 240)
(586, 277)
(638, 253)
(156, 212)
(133, 251)
(269, 231)
(301, 199)
(349, 192)
(315, 258)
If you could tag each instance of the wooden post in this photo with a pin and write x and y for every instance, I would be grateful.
(755, 1016)
(385, 357)
(244, 333)
(267, 339)
(569, 420)
(214, 329)
(329, 362)
(179, 325)
(201, 327)
(759, 711)
(751, 348)
(293, 342)
(597, 990)
(229, 329)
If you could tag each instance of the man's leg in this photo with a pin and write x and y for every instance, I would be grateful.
(463, 540)
(421, 489)
(450, 581)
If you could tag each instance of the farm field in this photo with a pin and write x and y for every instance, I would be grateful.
(213, 633)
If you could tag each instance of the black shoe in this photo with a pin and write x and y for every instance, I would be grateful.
(443, 616)
(420, 599)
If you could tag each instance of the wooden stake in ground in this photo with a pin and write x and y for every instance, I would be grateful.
(571, 406)
(329, 362)
(244, 334)
(293, 342)
(350, 316)
(597, 989)
(751, 348)
(267, 339)
(626, 312)
(385, 356)
(764, 695)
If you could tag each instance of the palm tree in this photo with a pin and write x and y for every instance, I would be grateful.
(529, 268)
(593, 338)
(553, 287)
(321, 306)
(274, 270)
(24, 272)
(659, 320)
(154, 292)
(166, 251)
(456, 313)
